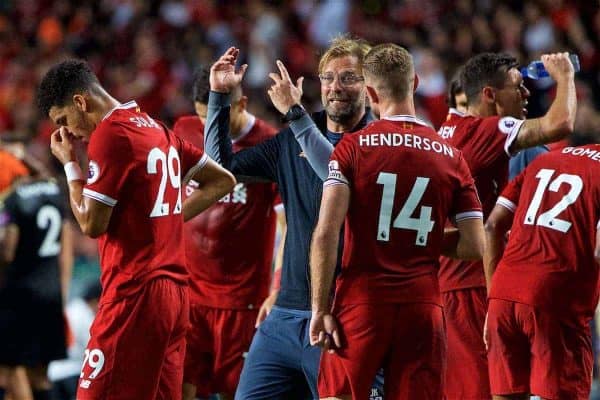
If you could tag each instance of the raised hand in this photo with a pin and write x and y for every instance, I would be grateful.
(283, 93)
(558, 65)
(223, 76)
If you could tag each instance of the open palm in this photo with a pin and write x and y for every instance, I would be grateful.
(223, 76)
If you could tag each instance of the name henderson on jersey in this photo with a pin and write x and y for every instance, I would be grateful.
(406, 140)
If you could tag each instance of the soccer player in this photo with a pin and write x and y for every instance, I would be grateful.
(457, 101)
(545, 289)
(281, 363)
(492, 129)
(229, 250)
(35, 268)
(132, 203)
(395, 183)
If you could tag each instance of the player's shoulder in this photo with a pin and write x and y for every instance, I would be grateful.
(264, 128)
(188, 123)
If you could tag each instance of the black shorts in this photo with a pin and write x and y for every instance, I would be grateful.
(32, 329)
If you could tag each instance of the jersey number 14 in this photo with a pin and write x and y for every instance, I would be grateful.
(422, 225)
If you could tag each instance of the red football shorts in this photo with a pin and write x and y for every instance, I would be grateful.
(534, 351)
(407, 340)
(216, 346)
(466, 376)
(137, 346)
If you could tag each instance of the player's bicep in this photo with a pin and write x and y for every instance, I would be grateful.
(98, 217)
(334, 206)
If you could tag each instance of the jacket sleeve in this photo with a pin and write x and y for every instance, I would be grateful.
(314, 145)
(255, 164)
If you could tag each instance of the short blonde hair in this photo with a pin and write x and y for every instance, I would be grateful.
(392, 68)
(342, 46)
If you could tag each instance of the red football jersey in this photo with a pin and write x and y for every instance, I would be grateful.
(229, 247)
(485, 144)
(136, 166)
(405, 183)
(549, 260)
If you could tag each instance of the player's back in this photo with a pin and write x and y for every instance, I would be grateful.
(229, 246)
(549, 260)
(36, 208)
(405, 182)
(137, 166)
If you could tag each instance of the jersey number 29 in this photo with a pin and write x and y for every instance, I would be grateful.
(171, 169)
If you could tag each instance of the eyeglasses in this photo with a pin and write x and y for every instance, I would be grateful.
(345, 79)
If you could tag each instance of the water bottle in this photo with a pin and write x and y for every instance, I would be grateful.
(536, 70)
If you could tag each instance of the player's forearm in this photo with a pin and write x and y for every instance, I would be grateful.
(206, 195)
(494, 248)
(77, 204)
(314, 145)
(558, 122)
(217, 143)
(561, 115)
(323, 258)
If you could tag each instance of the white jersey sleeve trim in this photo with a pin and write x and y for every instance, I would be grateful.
(279, 207)
(199, 165)
(506, 203)
(468, 215)
(510, 127)
(102, 198)
(334, 181)
(598, 225)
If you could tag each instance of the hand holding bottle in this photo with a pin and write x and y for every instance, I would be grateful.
(555, 65)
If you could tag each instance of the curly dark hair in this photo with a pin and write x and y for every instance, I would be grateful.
(485, 69)
(454, 88)
(201, 86)
(62, 81)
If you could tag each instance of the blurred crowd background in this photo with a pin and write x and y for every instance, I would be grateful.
(147, 50)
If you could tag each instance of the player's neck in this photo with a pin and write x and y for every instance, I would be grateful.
(481, 110)
(390, 108)
(104, 104)
(339, 127)
(238, 126)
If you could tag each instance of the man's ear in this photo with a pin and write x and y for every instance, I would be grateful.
(372, 94)
(80, 102)
(488, 95)
(416, 84)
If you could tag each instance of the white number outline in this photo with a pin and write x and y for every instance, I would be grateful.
(155, 155)
(96, 364)
(48, 217)
(422, 225)
(549, 218)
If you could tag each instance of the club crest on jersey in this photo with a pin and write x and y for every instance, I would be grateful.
(333, 166)
(93, 172)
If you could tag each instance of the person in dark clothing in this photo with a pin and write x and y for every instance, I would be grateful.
(281, 362)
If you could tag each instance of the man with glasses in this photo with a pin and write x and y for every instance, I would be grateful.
(493, 129)
(281, 363)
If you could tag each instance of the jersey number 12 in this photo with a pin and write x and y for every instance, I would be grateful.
(549, 218)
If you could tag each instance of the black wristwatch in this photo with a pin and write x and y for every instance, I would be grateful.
(295, 112)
